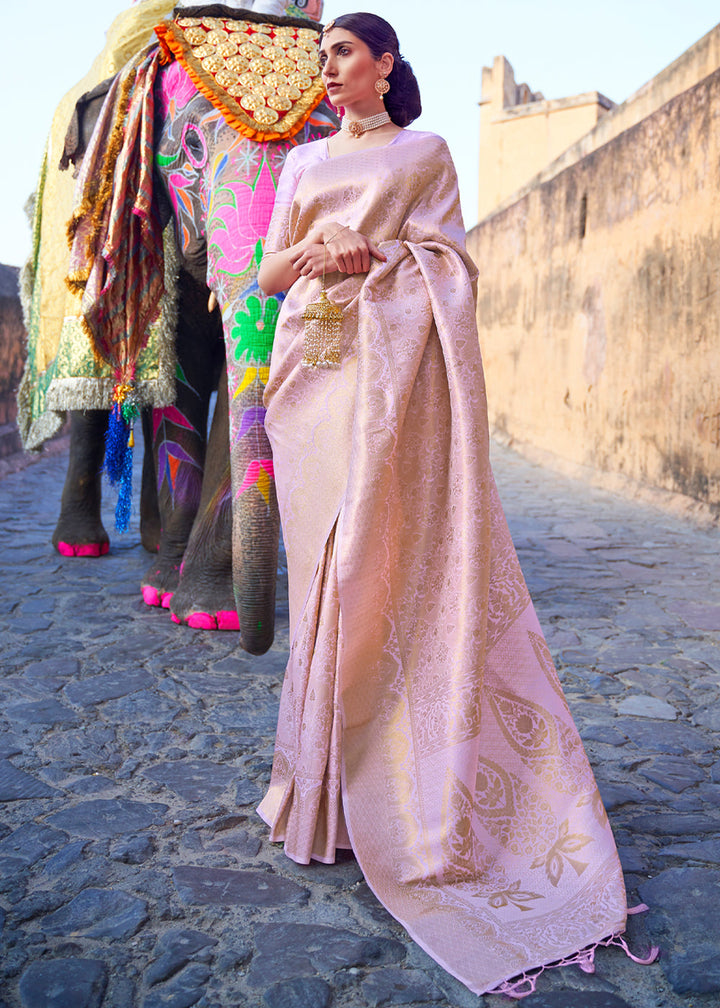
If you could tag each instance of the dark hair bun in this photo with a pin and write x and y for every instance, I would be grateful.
(403, 99)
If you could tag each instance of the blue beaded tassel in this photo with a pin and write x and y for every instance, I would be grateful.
(119, 443)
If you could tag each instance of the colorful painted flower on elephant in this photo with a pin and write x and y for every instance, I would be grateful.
(260, 473)
(254, 330)
(239, 214)
(176, 467)
(252, 374)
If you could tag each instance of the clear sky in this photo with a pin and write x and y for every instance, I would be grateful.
(559, 47)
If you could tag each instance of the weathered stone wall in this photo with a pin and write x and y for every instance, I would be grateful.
(12, 356)
(693, 66)
(599, 304)
(521, 132)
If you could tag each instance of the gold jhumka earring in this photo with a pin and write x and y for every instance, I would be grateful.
(382, 87)
(323, 331)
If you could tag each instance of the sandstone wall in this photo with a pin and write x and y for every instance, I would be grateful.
(695, 64)
(599, 304)
(521, 132)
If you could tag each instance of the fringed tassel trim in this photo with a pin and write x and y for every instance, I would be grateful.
(75, 282)
(99, 189)
(165, 389)
(526, 984)
(44, 427)
(97, 393)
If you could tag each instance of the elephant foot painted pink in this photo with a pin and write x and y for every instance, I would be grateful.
(224, 619)
(83, 549)
(153, 597)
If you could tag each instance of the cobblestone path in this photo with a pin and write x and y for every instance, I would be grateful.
(134, 872)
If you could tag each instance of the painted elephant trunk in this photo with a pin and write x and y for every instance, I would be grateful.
(256, 526)
(239, 205)
(222, 190)
(256, 521)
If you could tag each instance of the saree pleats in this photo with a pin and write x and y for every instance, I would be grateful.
(303, 805)
(465, 789)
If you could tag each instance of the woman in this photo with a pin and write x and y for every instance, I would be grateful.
(421, 722)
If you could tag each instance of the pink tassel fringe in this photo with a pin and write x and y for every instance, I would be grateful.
(526, 984)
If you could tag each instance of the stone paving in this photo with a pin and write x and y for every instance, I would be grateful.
(134, 872)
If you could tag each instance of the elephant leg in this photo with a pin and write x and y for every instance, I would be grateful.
(179, 451)
(150, 523)
(80, 531)
(179, 438)
(204, 597)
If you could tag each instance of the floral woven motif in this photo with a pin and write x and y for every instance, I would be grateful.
(264, 78)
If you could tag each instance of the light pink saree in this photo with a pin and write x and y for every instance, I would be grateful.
(421, 720)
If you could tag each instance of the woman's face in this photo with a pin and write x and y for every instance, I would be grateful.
(349, 70)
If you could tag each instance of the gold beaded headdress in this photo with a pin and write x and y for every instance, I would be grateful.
(263, 75)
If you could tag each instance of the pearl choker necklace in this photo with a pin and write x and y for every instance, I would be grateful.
(356, 127)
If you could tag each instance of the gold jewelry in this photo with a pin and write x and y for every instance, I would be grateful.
(329, 27)
(323, 329)
(356, 127)
(382, 87)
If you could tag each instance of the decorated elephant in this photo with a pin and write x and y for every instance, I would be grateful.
(61, 370)
(213, 110)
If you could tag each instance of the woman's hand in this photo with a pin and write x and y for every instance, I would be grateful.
(343, 250)
(353, 251)
(313, 260)
(330, 248)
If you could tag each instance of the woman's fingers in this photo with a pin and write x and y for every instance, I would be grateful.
(376, 253)
(315, 260)
(350, 252)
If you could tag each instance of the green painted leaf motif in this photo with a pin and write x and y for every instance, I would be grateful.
(254, 330)
(257, 256)
(164, 160)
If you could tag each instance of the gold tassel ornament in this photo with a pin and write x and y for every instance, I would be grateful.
(323, 331)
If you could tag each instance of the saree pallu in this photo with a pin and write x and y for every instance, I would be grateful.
(421, 721)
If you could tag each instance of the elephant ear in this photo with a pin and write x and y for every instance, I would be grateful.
(79, 130)
(225, 55)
